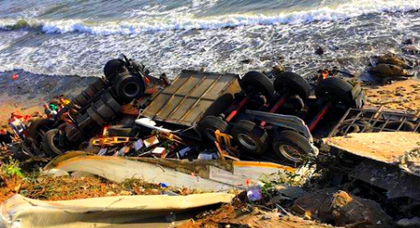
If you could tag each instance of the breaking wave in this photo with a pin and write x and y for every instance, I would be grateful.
(136, 25)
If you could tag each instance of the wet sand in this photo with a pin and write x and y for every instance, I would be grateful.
(401, 95)
(29, 92)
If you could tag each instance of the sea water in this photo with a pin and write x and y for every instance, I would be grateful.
(63, 37)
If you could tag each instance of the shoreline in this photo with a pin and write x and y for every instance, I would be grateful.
(29, 92)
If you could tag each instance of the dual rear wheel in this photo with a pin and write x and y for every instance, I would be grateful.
(287, 145)
(251, 82)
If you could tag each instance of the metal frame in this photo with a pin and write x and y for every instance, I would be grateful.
(375, 116)
(183, 98)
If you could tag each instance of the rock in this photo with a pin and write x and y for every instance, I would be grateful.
(265, 58)
(388, 70)
(411, 161)
(342, 209)
(394, 59)
(319, 51)
(409, 41)
(266, 217)
(413, 222)
(278, 68)
(247, 61)
(411, 49)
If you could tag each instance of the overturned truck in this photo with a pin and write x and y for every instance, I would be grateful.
(276, 116)
(97, 106)
(271, 118)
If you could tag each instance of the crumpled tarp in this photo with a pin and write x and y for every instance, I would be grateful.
(116, 211)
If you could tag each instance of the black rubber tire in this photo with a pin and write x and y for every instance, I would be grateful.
(39, 124)
(294, 140)
(208, 125)
(83, 98)
(103, 109)
(49, 145)
(80, 100)
(358, 126)
(296, 83)
(111, 102)
(340, 89)
(258, 81)
(74, 134)
(220, 105)
(120, 130)
(113, 67)
(250, 137)
(95, 116)
(129, 88)
(98, 84)
(393, 125)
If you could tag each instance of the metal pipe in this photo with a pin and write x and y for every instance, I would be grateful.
(319, 116)
(276, 106)
(238, 107)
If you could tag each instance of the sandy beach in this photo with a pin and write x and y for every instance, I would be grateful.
(29, 92)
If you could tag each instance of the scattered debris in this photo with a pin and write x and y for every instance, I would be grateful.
(261, 134)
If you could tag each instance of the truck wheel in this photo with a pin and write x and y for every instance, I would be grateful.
(259, 82)
(296, 83)
(129, 88)
(292, 146)
(209, 125)
(220, 105)
(38, 128)
(83, 98)
(113, 67)
(50, 141)
(109, 100)
(250, 137)
(74, 134)
(394, 125)
(104, 109)
(340, 89)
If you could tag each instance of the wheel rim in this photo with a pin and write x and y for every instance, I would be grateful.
(247, 142)
(290, 153)
(56, 142)
(132, 89)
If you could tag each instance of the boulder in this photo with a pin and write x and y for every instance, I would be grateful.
(389, 70)
(342, 209)
(319, 51)
(394, 59)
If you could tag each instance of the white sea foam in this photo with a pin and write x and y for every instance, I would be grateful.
(176, 20)
(81, 52)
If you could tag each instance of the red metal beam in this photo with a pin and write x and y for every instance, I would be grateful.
(321, 114)
(238, 108)
(279, 103)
